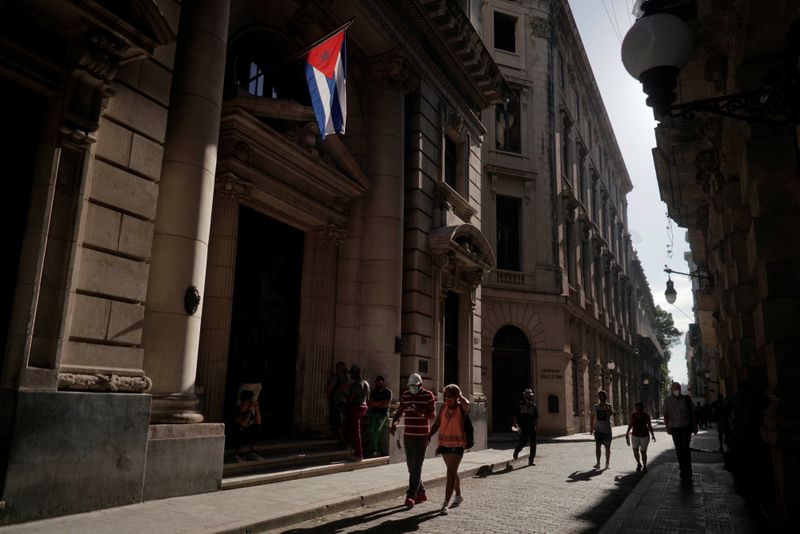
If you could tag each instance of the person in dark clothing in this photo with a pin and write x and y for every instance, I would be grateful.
(642, 429)
(525, 418)
(247, 419)
(377, 415)
(681, 420)
(357, 403)
(337, 390)
(720, 416)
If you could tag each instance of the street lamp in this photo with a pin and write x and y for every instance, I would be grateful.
(611, 365)
(706, 282)
(670, 294)
(654, 51)
(659, 45)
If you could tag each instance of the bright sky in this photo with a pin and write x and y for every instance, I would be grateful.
(602, 25)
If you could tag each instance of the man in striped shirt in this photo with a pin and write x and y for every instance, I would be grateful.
(418, 405)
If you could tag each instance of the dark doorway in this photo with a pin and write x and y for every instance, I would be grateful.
(266, 310)
(511, 374)
(22, 117)
(451, 305)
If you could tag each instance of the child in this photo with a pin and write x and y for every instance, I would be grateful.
(247, 419)
(640, 423)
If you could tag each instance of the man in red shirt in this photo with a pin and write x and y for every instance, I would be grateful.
(418, 405)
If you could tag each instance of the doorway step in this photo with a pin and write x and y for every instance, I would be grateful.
(289, 460)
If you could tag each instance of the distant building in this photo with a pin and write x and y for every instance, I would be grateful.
(567, 310)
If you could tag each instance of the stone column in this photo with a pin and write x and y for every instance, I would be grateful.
(183, 218)
(584, 392)
(317, 314)
(382, 252)
(772, 189)
(215, 332)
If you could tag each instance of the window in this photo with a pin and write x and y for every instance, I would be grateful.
(562, 66)
(566, 134)
(582, 193)
(451, 334)
(450, 162)
(505, 32)
(507, 125)
(255, 84)
(569, 245)
(508, 233)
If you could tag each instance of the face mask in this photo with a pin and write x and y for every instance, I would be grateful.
(413, 389)
(676, 392)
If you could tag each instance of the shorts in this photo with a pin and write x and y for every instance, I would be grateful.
(602, 437)
(459, 451)
(640, 442)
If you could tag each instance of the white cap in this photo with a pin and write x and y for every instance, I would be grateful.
(414, 380)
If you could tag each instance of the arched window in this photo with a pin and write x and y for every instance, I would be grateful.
(257, 66)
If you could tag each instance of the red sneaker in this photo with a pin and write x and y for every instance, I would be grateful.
(421, 497)
(409, 503)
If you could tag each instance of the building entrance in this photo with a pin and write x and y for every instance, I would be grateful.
(264, 325)
(21, 112)
(511, 374)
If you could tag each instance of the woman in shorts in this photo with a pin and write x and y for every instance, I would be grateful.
(452, 440)
(642, 434)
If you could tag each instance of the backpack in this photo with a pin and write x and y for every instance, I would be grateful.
(469, 430)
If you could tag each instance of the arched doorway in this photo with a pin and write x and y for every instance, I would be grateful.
(511, 374)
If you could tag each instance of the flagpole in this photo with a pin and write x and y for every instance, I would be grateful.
(308, 48)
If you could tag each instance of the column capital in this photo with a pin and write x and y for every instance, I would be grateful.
(393, 67)
(230, 186)
(330, 234)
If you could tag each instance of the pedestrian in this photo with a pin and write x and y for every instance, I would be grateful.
(642, 433)
(600, 426)
(357, 408)
(452, 440)
(377, 415)
(700, 410)
(525, 419)
(719, 413)
(247, 419)
(418, 406)
(336, 390)
(681, 420)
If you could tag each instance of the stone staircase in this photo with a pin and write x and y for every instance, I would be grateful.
(286, 460)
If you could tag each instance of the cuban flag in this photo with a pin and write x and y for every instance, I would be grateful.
(326, 73)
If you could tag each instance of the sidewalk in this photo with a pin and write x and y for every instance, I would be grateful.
(265, 507)
(662, 502)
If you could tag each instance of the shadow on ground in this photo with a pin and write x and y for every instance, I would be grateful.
(405, 523)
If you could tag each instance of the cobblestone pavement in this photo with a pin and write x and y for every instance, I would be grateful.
(562, 493)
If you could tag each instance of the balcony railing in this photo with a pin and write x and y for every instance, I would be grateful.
(511, 279)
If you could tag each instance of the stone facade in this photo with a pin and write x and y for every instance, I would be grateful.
(173, 177)
(568, 296)
(733, 184)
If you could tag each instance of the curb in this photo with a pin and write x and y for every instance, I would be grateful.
(361, 500)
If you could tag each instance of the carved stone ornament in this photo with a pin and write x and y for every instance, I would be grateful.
(242, 152)
(330, 234)
(96, 59)
(393, 68)
(232, 187)
(540, 27)
(310, 11)
(104, 382)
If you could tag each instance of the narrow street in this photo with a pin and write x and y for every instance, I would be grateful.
(562, 493)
